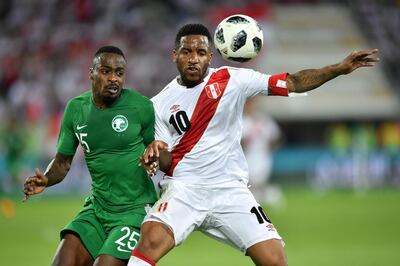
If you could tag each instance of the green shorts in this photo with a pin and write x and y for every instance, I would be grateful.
(104, 232)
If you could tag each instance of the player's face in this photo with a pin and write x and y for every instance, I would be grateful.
(193, 58)
(108, 77)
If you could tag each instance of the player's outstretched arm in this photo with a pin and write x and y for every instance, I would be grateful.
(55, 173)
(309, 79)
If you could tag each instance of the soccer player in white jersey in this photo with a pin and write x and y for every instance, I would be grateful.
(260, 138)
(199, 119)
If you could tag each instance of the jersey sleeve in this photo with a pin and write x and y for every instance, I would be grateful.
(148, 124)
(254, 83)
(67, 141)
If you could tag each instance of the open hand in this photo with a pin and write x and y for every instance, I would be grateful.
(34, 184)
(358, 59)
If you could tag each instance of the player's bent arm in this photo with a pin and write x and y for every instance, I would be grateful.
(58, 169)
(309, 79)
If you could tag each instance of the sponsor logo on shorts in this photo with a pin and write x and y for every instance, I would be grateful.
(162, 207)
(271, 227)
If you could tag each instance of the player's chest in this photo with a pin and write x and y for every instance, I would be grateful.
(107, 129)
(188, 110)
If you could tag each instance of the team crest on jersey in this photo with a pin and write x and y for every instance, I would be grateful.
(119, 123)
(213, 91)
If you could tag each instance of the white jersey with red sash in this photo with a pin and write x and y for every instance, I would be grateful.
(203, 124)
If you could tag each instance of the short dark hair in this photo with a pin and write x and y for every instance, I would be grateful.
(109, 49)
(192, 29)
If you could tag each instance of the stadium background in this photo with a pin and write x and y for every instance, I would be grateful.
(339, 163)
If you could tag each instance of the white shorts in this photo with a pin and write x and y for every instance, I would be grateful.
(227, 214)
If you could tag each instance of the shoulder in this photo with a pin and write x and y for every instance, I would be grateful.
(135, 97)
(83, 97)
(80, 99)
(245, 75)
(166, 92)
(136, 100)
(225, 72)
(233, 70)
(225, 68)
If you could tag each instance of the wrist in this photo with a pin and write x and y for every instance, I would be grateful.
(339, 69)
(47, 181)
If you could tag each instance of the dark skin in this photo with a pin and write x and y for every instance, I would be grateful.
(309, 79)
(193, 57)
(107, 77)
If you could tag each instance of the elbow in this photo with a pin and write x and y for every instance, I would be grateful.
(67, 167)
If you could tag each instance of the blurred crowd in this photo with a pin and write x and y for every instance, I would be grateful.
(380, 21)
(46, 47)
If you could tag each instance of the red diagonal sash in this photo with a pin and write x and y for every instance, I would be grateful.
(204, 111)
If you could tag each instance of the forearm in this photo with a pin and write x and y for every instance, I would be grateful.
(56, 171)
(165, 161)
(309, 79)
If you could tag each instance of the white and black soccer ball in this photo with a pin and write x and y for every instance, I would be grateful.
(238, 38)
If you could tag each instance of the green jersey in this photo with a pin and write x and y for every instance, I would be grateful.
(113, 139)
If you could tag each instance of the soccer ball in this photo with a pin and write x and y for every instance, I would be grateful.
(238, 38)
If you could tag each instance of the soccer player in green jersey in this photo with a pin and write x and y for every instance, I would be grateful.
(113, 125)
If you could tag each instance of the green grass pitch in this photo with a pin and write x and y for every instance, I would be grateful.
(333, 228)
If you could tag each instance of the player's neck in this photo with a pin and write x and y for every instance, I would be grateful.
(103, 103)
(190, 84)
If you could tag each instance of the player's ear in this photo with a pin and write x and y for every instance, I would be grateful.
(91, 73)
(174, 55)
